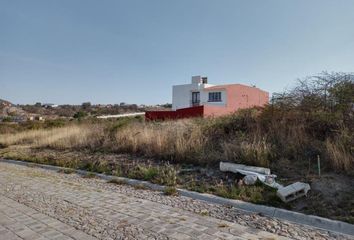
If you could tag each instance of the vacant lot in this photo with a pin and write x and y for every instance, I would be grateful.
(287, 136)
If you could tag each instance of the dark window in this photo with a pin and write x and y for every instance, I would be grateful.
(214, 97)
(195, 98)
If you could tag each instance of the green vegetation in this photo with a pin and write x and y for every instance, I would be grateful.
(80, 114)
(170, 191)
(7, 119)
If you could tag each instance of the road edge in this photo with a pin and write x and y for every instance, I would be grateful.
(294, 217)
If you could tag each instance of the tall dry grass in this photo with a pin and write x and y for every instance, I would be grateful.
(255, 152)
(261, 140)
(175, 140)
(339, 150)
(74, 136)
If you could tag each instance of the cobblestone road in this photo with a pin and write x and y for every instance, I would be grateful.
(18, 221)
(41, 204)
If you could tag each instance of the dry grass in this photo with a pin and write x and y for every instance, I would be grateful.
(245, 137)
(340, 158)
(256, 152)
(170, 140)
(74, 136)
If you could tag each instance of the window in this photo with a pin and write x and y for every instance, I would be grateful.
(195, 98)
(214, 97)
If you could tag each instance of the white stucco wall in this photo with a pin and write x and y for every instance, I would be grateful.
(182, 95)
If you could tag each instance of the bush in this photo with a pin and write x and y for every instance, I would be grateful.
(80, 114)
(170, 191)
(7, 119)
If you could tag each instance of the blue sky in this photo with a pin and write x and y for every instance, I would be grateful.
(111, 51)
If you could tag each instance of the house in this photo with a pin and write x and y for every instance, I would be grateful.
(201, 99)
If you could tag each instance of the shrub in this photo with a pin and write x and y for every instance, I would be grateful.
(170, 191)
(7, 119)
(167, 175)
(80, 114)
(142, 172)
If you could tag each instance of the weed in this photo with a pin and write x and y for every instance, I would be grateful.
(66, 171)
(117, 181)
(170, 191)
(167, 175)
(204, 212)
(117, 171)
(140, 187)
(89, 175)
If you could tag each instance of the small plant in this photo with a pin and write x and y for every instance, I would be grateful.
(150, 173)
(140, 187)
(167, 175)
(117, 181)
(66, 171)
(170, 191)
(204, 212)
(89, 175)
(117, 171)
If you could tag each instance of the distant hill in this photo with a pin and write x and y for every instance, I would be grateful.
(4, 103)
(9, 109)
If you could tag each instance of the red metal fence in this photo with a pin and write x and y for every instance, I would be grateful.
(180, 113)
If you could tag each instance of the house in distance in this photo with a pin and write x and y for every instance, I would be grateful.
(201, 99)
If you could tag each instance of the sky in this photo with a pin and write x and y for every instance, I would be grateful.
(133, 51)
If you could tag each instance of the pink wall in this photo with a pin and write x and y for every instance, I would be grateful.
(238, 97)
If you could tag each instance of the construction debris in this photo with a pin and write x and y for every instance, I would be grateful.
(252, 173)
(293, 191)
(263, 174)
(250, 179)
(232, 167)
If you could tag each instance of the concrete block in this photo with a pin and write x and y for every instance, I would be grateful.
(233, 167)
(293, 191)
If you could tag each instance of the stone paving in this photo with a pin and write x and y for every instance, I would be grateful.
(99, 213)
(41, 204)
(18, 221)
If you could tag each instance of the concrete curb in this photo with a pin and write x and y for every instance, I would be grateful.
(295, 217)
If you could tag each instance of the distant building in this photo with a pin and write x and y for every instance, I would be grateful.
(39, 118)
(199, 98)
(49, 105)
